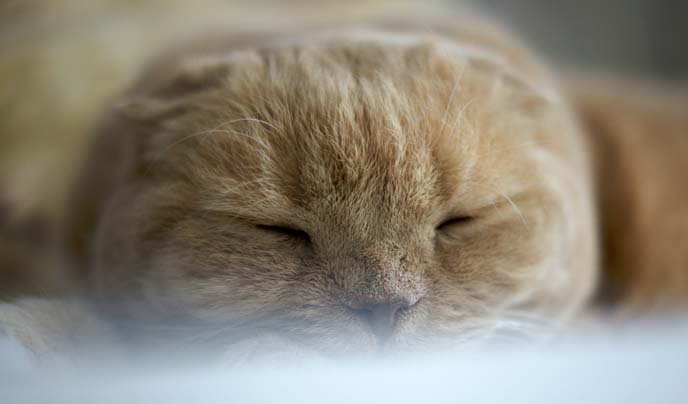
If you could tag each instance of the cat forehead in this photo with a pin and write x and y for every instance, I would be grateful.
(354, 122)
(373, 51)
(343, 151)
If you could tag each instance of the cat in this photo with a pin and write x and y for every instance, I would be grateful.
(347, 190)
(359, 189)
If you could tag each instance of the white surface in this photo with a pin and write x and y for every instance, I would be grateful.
(630, 368)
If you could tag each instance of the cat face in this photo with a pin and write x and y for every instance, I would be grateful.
(348, 194)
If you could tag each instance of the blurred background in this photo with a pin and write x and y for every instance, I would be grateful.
(632, 37)
(62, 61)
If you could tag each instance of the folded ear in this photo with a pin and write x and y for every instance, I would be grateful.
(530, 96)
(168, 86)
(115, 158)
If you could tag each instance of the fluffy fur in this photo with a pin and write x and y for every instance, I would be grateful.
(256, 193)
(366, 141)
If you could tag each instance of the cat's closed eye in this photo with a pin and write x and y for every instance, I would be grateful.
(455, 221)
(458, 220)
(286, 231)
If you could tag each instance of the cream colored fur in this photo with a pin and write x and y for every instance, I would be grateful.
(367, 138)
(367, 142)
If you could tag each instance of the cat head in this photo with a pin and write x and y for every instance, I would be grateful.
(346, 192)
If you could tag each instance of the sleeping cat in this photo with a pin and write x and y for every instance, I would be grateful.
(371, 188)
(359, 189)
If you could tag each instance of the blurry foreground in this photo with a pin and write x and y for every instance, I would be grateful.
(631, 367)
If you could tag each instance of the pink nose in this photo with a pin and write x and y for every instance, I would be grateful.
(381, 316)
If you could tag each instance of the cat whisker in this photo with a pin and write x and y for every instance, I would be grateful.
(219, 129)
(460, 114)
(178, 142)
(256, 120)
(449, 104)
(509, 200)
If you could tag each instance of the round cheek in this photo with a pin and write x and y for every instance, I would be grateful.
(126, 235)
(502, 259)
(219, 276)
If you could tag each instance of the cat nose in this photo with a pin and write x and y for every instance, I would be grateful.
(381, 317)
